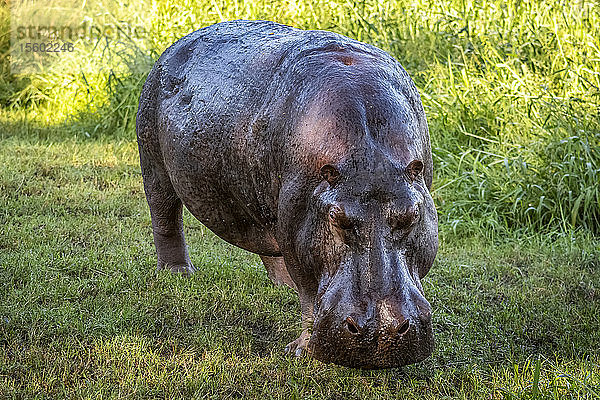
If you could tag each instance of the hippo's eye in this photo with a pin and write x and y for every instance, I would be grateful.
(405, 220)
(332, 213)
(338, 218)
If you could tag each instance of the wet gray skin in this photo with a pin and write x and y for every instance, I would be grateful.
(311, 150)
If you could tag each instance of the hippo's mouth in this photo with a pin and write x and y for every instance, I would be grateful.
(374, 342)
(370, 349)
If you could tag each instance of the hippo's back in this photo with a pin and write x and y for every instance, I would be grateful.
(222, 106)
(206, 114)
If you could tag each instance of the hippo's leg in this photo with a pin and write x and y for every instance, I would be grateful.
(167, 222)
(299, 347)
(277, 271)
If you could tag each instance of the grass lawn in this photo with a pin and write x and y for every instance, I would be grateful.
(84, 313)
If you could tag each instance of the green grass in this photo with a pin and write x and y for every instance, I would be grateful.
(83, 312)
(511, 92)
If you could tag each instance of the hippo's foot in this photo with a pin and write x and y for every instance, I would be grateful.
(184, 269)
(299, 347)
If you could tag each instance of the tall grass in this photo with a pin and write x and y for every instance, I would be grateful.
(511, 92)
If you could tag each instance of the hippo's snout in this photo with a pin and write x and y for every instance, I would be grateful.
(391, 318)
(387, 333)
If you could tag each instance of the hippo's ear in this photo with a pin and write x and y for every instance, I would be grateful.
(330, 174)
(413, 169)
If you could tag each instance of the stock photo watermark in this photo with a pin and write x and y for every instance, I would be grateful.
(43, 32)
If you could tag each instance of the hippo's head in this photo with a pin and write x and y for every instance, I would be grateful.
(373, 237)
(367, 232)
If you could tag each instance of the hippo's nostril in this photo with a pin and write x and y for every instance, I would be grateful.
(352, 326)
(402, 329)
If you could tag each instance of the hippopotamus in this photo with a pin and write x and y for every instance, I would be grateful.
(311, 150)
